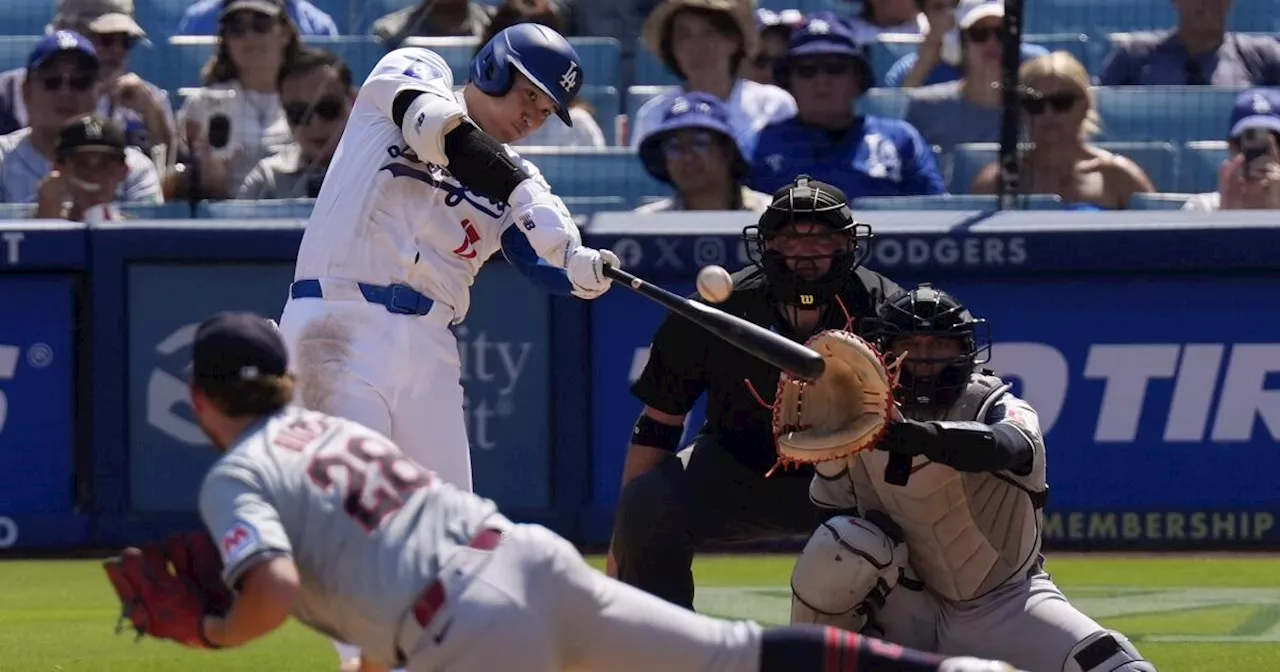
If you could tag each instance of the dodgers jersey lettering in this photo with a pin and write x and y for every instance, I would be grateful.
(366, 526)
(386, 216)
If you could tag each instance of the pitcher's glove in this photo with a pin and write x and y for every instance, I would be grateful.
(166, 588)
(842, 413)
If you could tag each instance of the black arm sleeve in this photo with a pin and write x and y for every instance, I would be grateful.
(965, 446)
(478, 160)
(675, 375)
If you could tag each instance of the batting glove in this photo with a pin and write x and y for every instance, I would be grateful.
(585, 268)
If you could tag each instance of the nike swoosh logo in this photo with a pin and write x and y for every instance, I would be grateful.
(439, 636)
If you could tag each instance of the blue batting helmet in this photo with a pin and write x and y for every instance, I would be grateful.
(539, 53)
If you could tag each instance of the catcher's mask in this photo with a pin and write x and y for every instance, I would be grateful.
(925, 311)
(807, 222)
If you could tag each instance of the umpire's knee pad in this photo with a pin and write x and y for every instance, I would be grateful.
(651, 512)
(1106, 651)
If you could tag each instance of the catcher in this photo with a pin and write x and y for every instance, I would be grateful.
(326, 520)
(942, 520)
(807, 276)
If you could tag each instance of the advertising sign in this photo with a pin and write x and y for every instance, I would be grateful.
(502, 344)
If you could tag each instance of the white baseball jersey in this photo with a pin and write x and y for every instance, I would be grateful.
(386, 215)
(366, 526)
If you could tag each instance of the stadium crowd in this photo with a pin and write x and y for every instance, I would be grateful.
(689, 104)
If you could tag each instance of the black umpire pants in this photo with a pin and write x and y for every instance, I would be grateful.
(668, 513)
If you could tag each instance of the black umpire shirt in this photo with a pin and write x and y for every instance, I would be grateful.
(685, 360)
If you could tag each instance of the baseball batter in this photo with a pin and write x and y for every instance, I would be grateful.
(420, 193)
(327, 520)
(955, 489)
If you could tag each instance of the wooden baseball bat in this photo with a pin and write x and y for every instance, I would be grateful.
(792, 357)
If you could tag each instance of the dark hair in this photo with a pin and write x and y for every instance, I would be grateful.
(508, 15)
(250, 398)
(306, 59)
(220, 68)
(723, 23)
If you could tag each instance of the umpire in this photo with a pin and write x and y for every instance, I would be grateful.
(807, 253)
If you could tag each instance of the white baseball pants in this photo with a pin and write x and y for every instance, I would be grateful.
(396, 374)
(533, 604)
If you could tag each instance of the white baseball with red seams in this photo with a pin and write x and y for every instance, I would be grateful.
(714, 284)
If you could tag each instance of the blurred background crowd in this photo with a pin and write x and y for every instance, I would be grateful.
(121, 108)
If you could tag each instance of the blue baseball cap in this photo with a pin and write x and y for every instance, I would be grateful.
(696, 110)
(1256, 108)
(237, 347)
(59, 43)
(824, 34)
(787, 18)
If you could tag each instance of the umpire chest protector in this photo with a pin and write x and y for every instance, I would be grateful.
(968, 533)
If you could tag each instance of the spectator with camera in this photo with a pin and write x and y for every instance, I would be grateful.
(693, 150)
(62, 83)
(317, 92)
(705, 42)
(827, 71)
(969, 109)
(1199, 51)
(141, 108)
(941, 55)
(89, 168)
(236, 119)
(1061, 118)
(205, 16)
(1250, 178)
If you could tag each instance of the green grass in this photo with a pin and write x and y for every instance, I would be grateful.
(1187, 614)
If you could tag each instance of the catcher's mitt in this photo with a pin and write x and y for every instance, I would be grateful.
(167, 587)
(842, 413)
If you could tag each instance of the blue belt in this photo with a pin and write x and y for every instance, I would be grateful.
(398, 299)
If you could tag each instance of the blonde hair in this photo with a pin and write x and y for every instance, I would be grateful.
(1061, 65)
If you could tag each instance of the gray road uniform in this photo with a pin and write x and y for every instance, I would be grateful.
(424, 576)
(974, 581)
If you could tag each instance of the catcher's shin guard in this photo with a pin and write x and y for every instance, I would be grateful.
(1106, 651)
(844, 573)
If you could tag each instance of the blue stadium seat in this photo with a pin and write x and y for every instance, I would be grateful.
(1088, 51)
(884, 102)
(16, 211)
(1158, 159)
(160, 18)
(27, 17)
(887, 50)
(1097, 16)
(15, 49)
(177, 210)
(614, 171)
(179, 65)
(601, 56)
(1158, 201)
(1200, 164)
(1174, 114)
(637, 96)
(649, 71)
(606, 105)
(288, 208)
(954, 202)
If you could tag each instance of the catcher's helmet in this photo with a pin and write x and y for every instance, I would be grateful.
(925, 311)
(537, 52)
(817, 203)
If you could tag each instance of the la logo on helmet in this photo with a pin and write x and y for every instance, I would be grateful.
(570, 77)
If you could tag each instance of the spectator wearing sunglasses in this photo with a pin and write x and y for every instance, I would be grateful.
(705, 42)
(317, 91)
(240, 93)
(62, 84)
(775, 33)
(204, 18)
(1198, 51)
(970, 108)
(693, 150)
(1250, 177)
(138, 106)
(1061, 118)
(89, 168)
(940, 56)
(826, 70)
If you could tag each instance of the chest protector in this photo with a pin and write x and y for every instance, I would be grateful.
(967, 533)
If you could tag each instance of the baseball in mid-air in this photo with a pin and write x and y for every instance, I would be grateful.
(714, 283)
